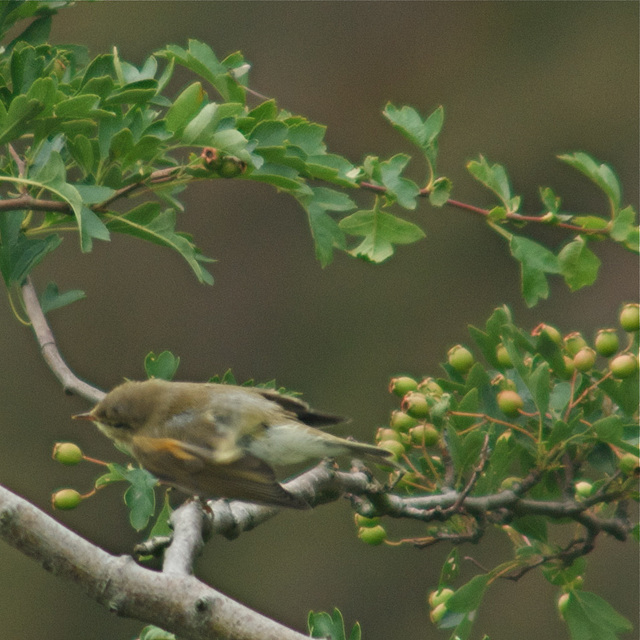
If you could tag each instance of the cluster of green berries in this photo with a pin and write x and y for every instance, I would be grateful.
(409, 426)
(69, 454)
(370, 531)
(437, 601)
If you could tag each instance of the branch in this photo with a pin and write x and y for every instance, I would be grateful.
(70, 382)
(178, 603)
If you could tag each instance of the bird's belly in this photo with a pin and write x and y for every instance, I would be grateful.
(289, 444)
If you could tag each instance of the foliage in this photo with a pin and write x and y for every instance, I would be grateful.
(541, 433)
(84, 135)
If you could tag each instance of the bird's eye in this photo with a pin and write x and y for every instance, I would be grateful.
(120, 425)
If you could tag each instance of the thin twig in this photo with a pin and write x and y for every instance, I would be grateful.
(49, 349)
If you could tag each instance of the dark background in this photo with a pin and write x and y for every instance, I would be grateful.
(520, 83)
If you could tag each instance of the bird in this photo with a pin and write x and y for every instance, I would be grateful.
(220, 440)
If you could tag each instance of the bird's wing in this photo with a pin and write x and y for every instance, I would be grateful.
(192, 469)
(300, 409)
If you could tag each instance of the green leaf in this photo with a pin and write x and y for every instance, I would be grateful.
(326, 233)
(185, 107)
(440, 192)
(531, 526)
(149, 223)
(538, 385)
(469, 596)
(609, 429)
(323, 625)
(140, 497)
(549, 199)
(450, 569)
(579, 266)
(600, 174)
(20, 254)
(162, 526)
(77, 106)
(535, 261)
(401, 189)
(623, 227)
(163, 366)
(589, 617)
(150, 632)
(51, 298)
(381, 232)
(494, 177)
(410, 124)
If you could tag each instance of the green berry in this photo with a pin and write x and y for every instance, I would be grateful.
(439, 596)
(510, 403)
(402, 421)
(503, 357)
(416, 405)
(584, 359)
(66, 499)
(67, 453)
(630, 317)
(437, 613)
(430, 387)
(231, 167)
(387, 434)
(629, 464)
(583, 489)
(372, 535)
(624, 366)
(402, 385)
(510, 483)
(574, 342)
(607, 342)
(550, 332)
(424, 434)
(395, 447)
(460, 358)
(363, 521)
(563, 603)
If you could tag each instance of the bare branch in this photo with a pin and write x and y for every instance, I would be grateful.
(70, 382)
(178, 603)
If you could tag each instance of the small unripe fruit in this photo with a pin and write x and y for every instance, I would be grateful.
(510, 483)
(607, 342)
(584, 359)
(510, 403)
(574, 342)
(430, 387)
(372, 535)
(416, 405)
(424, 434)
(231, 167)
(439, 596)
(624, 365)
(394, 447)
(402, 385)
(629, 464)
(569, 366)
(630, 317)
(437, 613)
(563, 603)
(66, 499)
(67, 453)
(402, 421)
(460, 358)
(551, 332)
(503, 357)
(387, 434)
(363, 521)
(583, 489)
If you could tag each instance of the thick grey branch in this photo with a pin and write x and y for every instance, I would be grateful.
(178, 603)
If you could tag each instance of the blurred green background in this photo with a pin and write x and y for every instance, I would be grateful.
(520, 83)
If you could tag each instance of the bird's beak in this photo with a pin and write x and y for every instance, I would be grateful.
(84, 416)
